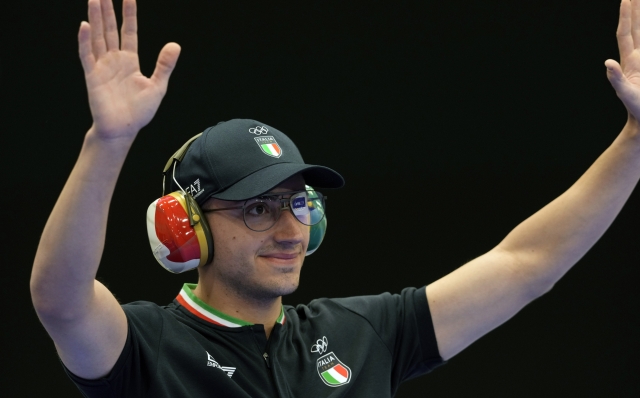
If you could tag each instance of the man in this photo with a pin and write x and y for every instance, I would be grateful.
(142, 349)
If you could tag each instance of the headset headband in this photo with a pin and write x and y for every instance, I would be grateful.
(177, 157)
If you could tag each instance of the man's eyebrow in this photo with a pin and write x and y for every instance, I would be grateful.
(226, 203)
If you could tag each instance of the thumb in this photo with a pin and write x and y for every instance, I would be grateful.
(615, 75)
(166, 63)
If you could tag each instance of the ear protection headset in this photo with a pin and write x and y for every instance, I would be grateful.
(179, 233)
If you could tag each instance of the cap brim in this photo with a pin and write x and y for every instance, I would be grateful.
(266, 179)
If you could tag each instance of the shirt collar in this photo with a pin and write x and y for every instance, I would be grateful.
(202, 310)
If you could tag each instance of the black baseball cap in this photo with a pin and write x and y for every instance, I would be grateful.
(241, 159)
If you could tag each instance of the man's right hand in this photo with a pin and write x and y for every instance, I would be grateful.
(122, 100)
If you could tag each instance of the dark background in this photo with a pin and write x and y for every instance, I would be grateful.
(450, 121)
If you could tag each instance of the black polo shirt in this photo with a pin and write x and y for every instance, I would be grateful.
(348, 347)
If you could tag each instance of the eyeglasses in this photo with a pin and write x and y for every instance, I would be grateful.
(262, 212)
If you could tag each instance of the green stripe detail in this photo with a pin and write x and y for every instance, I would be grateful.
(329, 379)
(188, 288)
(268, 149)
(281, 317)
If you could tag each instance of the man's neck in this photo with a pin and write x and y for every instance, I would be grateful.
(230, 303)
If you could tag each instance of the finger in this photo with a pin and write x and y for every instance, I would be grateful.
(98, 44)
(635, 22)
(625, 40)
(166, 63)
(110, 25)
(129, 26)
(616, 77)
(84, 48)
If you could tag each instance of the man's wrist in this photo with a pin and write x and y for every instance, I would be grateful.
(104, 151)
(111, 138)
(630, 135)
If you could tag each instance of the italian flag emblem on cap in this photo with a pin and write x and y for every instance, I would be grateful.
(269, 146)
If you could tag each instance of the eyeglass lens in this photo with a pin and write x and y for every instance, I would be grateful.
(262, 213)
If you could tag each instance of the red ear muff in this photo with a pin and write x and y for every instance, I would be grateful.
(178, 232)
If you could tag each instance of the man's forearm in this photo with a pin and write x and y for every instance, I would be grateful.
(73, 239)
(548, 243)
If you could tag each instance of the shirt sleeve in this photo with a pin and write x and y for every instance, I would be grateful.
(403, 322)
(137, 363)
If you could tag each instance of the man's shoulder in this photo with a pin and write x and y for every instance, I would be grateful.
(146, 306)
(353, 303)
(144, 312)
(363, 306)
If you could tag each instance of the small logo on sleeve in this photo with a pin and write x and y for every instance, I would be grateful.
(213, 363)
(332, 371)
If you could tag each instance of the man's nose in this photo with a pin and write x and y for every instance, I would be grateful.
(288, 229)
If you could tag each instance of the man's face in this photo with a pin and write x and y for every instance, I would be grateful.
(257, 265)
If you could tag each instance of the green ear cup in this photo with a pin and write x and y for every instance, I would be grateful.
(318, 230)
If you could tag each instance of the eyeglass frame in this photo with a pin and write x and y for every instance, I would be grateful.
(284, 205)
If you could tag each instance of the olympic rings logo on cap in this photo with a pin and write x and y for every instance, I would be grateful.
(259, 130)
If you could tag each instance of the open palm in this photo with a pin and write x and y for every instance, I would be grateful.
(122, 100)
(625, 76)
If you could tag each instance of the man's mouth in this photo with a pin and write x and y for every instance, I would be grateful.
(280, 255)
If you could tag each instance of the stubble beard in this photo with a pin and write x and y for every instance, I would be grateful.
(241, 280)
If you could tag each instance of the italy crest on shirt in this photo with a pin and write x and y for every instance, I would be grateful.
(332, 371)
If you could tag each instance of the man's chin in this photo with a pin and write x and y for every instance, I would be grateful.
(270, 287)
(284, 284)
(287, 283)
(289, 290)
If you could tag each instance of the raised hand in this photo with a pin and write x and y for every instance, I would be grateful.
(122, 100)
(625, 76)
